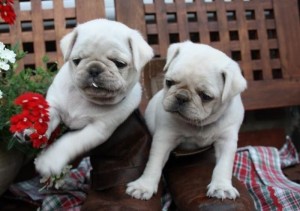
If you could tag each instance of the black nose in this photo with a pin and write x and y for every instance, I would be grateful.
(182, 97)
(94, 71)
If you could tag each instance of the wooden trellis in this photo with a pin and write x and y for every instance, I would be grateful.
(261, 35)
(38, 30)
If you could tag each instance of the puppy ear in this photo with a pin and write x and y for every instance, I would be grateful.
(234, 82)
(67, 43)
(141, 51)
(173, 51)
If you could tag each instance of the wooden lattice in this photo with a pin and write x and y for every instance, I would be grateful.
(262, 35)
(41, 24)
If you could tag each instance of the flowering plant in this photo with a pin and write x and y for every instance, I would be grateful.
(34, 118)
(22, 105)
(14, 83)
(23, 108)
(7, 12)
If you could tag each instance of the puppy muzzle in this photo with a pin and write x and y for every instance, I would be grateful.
(95, 70)
(182, 97)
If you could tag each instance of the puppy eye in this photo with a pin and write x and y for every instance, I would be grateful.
(119, 64)
(76, 61)
(205, 97)
(169, 83)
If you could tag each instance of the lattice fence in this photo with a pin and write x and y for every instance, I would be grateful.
(41, 24)
(262, 35)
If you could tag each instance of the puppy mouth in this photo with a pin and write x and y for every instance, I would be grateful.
(103, 85)
(95, 85)
(100, 93)
(101, 90)
(179, 114)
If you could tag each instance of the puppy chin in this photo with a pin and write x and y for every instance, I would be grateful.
(105, 100)
(188, 120)
(181, 114)
(102, 96)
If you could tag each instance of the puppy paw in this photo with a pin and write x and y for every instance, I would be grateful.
(222, 190)
(141, 189)
(50, 163)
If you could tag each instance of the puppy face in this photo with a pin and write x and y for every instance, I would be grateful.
(199, 81)
(105, 59)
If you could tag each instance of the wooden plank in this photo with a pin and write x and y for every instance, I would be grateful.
(60, 25)
(262, 40)
(244, 41)
(88, 10)
(162, 27)
(153, 69)
(273, 137)
(271, 94)
(288, 32)
(223, 26)
(182, 20)
(15, 34)
(131, 13)
(37, 32)
(202, 21)
(152, 72)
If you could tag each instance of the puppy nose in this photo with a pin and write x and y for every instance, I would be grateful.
(182, 96)
(94, 71)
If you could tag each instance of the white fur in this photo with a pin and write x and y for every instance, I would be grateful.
(195, 67)
(92, 121)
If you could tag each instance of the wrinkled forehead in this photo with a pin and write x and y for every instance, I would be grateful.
(197, 75)
(193, 64)
(100, 44)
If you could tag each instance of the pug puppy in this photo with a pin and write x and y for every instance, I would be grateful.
(95, 91)
(200, 105)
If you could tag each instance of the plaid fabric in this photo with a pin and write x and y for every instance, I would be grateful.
(259, 168)
(69, 197)
(288, 154)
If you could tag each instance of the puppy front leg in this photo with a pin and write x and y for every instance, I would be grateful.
(52, 160)
(145, 186)
(54, 121)
(221, 183)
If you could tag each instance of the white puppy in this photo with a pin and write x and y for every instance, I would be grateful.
(96, 89)
(200, 105)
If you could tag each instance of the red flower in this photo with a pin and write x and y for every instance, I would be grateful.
(38, 140)
(7, 12)
(34, 116)
(20, 122)
(32, 100)
(41, 127)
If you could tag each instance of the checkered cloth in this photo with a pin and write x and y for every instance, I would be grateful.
(288, 154)
(259, 168)
(68, 198)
